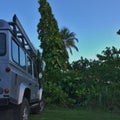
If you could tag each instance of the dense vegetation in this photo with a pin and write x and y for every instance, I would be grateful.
(89, 83)
(84, 83)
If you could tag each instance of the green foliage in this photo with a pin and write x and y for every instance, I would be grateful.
(54, 94)
(102, 79)
(54, 53)
(90, 84)
(53, 90)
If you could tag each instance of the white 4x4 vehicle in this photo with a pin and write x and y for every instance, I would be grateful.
(20, 85)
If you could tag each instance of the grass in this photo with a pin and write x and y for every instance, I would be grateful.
(67, 114)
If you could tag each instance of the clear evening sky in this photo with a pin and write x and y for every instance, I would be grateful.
(95, 22)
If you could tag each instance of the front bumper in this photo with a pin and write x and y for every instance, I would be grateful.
(8, 101)
(4, 101)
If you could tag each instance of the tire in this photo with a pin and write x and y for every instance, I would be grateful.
(39, 108)
(22, 111)
(42, 105)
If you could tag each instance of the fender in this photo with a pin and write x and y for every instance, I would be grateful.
(21, 93)
(40, 91)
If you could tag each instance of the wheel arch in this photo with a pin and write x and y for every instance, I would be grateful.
(24, 91)
(27, 94)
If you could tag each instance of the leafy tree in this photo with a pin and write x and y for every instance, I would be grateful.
(81, 64)
(54, 53)
(110, 56)
(68, 39)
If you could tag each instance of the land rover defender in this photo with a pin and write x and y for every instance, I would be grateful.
(20, 85)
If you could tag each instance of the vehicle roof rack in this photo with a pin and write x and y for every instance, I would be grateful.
(20, 33)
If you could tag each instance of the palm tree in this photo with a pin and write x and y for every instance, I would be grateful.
(118, 32)
(68, 39)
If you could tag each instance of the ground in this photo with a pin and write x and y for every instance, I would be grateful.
(68, 114)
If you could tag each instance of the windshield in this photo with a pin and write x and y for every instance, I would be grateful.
(2, 44)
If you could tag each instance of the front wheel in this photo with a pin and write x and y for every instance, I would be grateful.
(42, 105)
(39, 108)
(22, 111)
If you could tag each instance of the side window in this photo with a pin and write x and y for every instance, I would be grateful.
(29, 65)
(15, 51)
(2, 44)
(22, 59)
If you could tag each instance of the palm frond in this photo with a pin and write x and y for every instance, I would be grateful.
(68, 39)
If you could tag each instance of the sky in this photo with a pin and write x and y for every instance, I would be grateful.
(95, 22)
